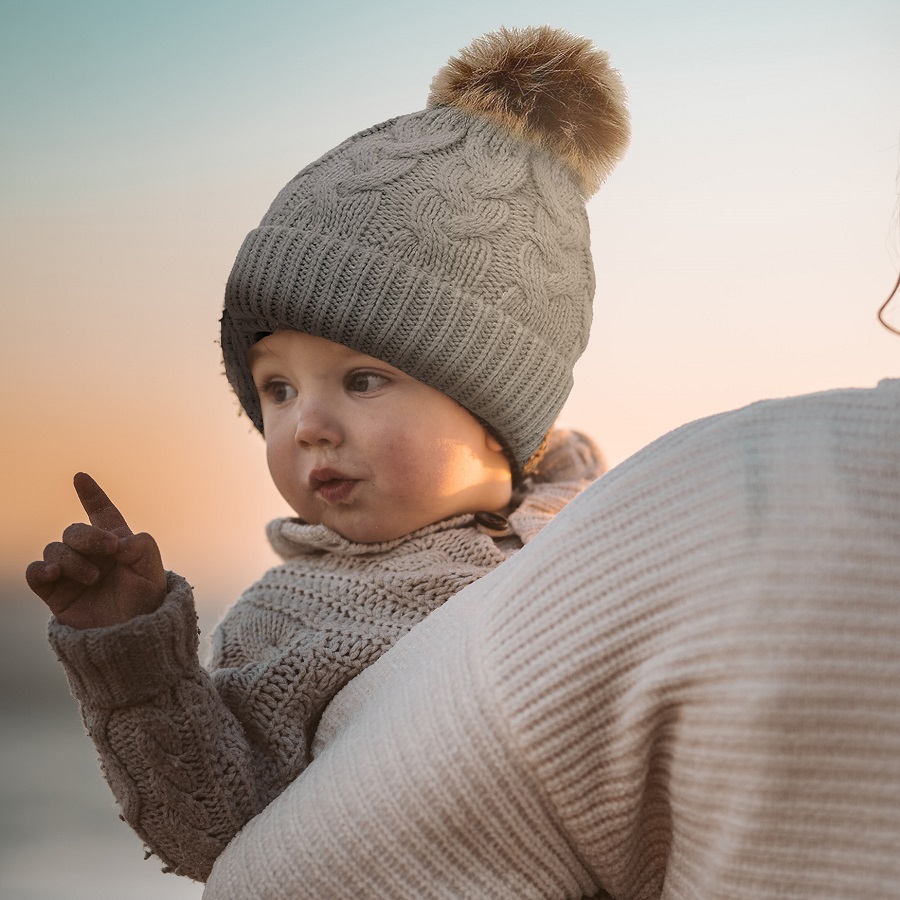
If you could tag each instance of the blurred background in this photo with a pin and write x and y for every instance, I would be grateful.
(742, 249)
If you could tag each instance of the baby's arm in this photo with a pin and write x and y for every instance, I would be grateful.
(174, 754)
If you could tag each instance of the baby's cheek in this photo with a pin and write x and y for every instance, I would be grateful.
(410, 465)
(284, 475)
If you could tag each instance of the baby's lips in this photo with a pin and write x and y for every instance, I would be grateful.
(323, 475)
(336, 490)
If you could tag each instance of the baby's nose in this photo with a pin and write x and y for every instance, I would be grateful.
(317, 424)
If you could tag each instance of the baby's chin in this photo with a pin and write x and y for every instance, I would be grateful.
(360, 521)
(358, 531)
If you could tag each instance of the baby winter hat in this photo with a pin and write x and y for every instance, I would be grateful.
(452, 242)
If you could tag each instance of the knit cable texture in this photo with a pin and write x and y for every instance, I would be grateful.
(439, 245)
(451, 242)
(192, 754)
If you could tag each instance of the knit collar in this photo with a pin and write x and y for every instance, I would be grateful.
(291, 538)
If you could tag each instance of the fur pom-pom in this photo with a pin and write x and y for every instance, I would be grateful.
(547, 86)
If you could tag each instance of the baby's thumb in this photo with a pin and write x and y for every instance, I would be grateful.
(141, 553)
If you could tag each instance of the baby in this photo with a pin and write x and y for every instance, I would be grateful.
(402, 328)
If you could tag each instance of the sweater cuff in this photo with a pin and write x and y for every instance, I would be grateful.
(130, 663)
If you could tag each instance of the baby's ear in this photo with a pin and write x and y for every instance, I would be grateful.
(492, 442)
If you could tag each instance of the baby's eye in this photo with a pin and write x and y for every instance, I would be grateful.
(278, 391)
(365, 382)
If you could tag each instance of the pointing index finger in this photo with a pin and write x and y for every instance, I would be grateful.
(100, 509)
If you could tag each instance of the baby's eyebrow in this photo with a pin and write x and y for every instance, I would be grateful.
(256, 352)
(357, 357)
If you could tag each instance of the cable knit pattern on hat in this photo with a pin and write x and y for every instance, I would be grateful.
(443, 244)
(193, 754)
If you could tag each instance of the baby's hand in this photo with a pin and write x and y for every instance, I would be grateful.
(99, 574)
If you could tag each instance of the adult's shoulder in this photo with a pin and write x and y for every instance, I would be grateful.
(782, 447)
(684, 680)
(678, 655)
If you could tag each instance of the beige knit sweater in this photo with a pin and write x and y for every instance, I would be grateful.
(688, 686)
(192, 754)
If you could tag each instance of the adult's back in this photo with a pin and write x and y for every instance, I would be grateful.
(687, 687)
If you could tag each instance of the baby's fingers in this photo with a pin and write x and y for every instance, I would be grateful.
(90, 541)
(71, 564)
(41, 577)
(102, 512)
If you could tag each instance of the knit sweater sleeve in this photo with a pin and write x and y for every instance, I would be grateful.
(177, 759)
(686, 686)
(193, 753)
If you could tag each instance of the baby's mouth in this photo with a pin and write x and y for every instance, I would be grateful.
(331, 486)
(337, 490)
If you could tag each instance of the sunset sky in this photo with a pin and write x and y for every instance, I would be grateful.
(742, 247)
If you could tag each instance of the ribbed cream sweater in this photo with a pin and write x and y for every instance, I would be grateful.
(688, 686)
(191, 754)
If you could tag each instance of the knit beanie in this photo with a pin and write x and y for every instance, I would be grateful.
(453, 242)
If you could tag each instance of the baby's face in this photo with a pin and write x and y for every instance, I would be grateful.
(361, 447)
